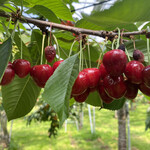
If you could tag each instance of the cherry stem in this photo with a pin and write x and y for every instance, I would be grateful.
(51, 34)
(113, 43)
(55, 39)
(20, 41)
(148, 53)
(118, 40)
(134, 44)
(13, 32)
(72, 48)
(80, 53)
(42, 48)
(127, 54)
(89, 53)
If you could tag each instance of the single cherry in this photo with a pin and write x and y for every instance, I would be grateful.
(50, 53)
(82, 97)
(56, 64)
(81, 84)
(146, 75)
(8, 75)
(93, 75)
(132, 90)
(115, 86)
(133, 71)
(21, 67)
(144, 89)
(41, 73)
(104, 96)
(138, 55)
(115, 62)
(103, 71)
(122, 47)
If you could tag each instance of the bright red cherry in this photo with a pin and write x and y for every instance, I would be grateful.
(132, 90)
(104, 96)
(146, 75)
(8, 75)
(133, 71)
(50, 53)
(56, 64)
(115, 62)
(102, 71)
(21, 67)
(114, 86)
(93, 75)
(81, 84)
(41, 73)
(144, 89)
(82, 97)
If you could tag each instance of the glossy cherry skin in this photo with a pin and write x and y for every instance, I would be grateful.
(8, 75)
(146, 75)
(144, 89)
(103, 95)
(115, 62)
(50, 53)
(56, 64)
(132, 90)
(114, 86)
(41, 73)
(21, 67)
(133, 71)
(82, 97)
(93, 76)
(103, 71)
(81, 84)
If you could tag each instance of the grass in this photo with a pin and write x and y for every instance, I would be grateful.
(35, 136)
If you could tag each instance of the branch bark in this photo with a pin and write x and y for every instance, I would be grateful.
(101, 33)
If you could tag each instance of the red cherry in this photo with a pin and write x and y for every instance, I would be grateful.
(81, 84)
(138, 55)
(144, 89)
(50, 53)
(103, 71)
(133, 71)
(132, 90)
(93, 75)
(8, 75)
(104, 96)
(114, 86)
(146, 75)
(56, 64)
(41, 73)
(81, 98)
(21, 67)
(115, 62)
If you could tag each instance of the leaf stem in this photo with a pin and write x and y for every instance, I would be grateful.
(42, 48)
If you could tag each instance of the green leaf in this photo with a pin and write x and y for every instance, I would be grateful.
(5, 53)
(57, 6)
(94, 99)
(122, 15)
(46, 12)
(58, 88)
(115, 105)
(19, 97)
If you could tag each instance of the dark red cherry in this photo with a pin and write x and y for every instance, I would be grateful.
(8, 75)
(104, 96)
(82, 97)
(138, 55)
(81, 84)
(114, 86)
(144, 89)
(50, 53)
(93, 76)
(41, 73)
(56, 64)
(115, 62)
(146, 75)
(21, 67)
(103, 71)
(133, 71)
(132, 90)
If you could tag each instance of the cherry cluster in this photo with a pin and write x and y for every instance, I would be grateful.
(115, 78)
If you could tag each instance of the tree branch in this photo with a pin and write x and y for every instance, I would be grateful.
(101, 33)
